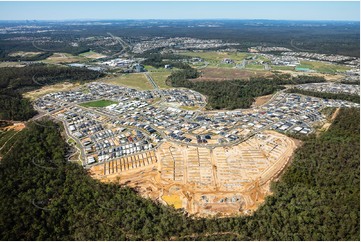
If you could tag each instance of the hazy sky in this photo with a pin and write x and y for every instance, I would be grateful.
(293, 10)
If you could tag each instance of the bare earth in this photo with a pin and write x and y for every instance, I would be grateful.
(262, 100)
(223, 181)
(65, 86)
(328, 123)
(16, 126)
(328, 77)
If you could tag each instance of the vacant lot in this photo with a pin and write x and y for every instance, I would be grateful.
(62, 58)
(66, 86)
(160, 78)
(323, 67)
(219, 56)
(290, 68)
(98, 104)
(11, 64)
(133, 80)
(262, 100)
(221, 74)
(255, 66)
(24, 54)
(92, 55)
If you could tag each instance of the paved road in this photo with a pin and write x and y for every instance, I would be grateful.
(150, 79)
(125, 46)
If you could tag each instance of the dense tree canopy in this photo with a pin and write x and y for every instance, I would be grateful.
(326, 95)
(234, 94)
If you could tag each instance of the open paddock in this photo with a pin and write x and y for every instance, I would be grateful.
(132, 80)
(222, 74)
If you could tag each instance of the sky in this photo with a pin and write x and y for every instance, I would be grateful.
(280, 10)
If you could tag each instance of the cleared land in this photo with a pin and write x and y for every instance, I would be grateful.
(98, 104)
(215, 58)
(160, 78)
(323, 67)
(66, 86)
(254, 66)
(62, 58)
(221, 181)
(11, 64)
(92, 55)
(24, 54)
(328, 77)
(218, 56)
(290, 68)
(134, 80)
(221, 74)
(262, 100)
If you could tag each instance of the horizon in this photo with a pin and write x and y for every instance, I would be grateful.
(186, 10)
(175, 19)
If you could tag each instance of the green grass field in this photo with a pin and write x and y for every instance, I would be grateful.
(98, 104)
(133, 80)
(57, 58)
(287, 68)
(160, 78)
(189, 108)
(323, 67)
(218, 56)
(255, 67)
(91, 55)
(215, 58)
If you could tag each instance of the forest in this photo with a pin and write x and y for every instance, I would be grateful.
(328, 37)
(157, 60)
(234, 94)
(326, 95)
(14, 81)
(43, 197)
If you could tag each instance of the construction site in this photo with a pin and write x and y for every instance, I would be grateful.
(221, 181)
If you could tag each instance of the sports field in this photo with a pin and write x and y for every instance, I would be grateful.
(98, 104)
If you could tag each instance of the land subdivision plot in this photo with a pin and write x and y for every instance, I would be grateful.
(205, 181)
